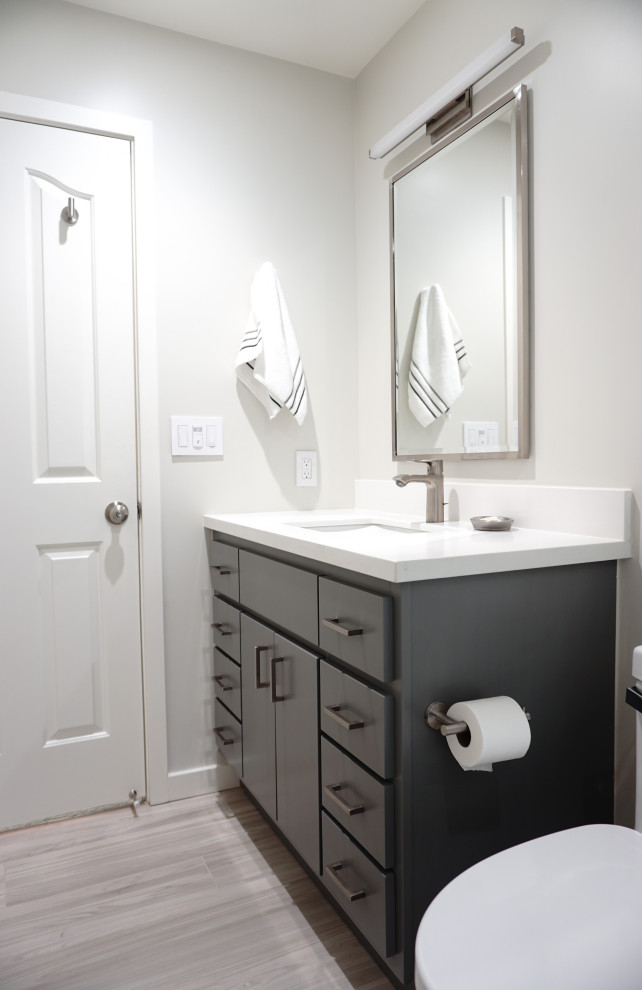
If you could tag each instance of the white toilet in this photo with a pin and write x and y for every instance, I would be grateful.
(561, 912)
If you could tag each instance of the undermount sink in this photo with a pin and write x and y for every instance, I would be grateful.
(358, 526)
(374, 527)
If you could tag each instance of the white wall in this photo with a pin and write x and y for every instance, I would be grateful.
(582, 63)
(254, 161)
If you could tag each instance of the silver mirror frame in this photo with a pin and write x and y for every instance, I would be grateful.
(520, 96)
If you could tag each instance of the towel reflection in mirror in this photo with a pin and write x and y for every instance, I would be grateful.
(439, 360)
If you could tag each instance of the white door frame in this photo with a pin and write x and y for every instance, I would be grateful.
(139, 133)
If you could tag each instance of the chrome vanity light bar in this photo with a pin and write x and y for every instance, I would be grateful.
(448, 96)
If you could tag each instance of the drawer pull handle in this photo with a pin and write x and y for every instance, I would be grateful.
(345, 723)
(351, 895)
(348, 809)
(220, 628)
(344, 630)
(218, 679)
(258, 683)
(221, 568)
(274, 697)
(219, 733)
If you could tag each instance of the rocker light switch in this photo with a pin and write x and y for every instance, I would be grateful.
(197, 436)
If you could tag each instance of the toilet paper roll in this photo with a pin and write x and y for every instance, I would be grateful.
(499, 730)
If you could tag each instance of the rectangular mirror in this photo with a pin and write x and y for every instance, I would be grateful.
(460, 298)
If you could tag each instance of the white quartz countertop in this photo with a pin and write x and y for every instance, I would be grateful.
(401, 548)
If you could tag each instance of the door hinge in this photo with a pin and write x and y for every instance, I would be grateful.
(139, 509)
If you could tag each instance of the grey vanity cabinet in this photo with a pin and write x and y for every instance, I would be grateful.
(399, 818)
(280, 733)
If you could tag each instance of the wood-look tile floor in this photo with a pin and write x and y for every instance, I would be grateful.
(193, 895)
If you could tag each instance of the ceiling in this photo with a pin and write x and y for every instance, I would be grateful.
(338, 36)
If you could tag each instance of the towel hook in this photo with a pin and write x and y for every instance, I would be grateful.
(70, 214)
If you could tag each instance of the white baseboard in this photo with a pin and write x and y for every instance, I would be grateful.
(200, 780)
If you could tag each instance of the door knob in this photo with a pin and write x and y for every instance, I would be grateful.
(116, 513)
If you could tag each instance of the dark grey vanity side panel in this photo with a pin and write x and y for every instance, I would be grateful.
(285, 595)
(545, 637)
(297, 747)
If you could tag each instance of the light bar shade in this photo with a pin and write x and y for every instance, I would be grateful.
(473, 72)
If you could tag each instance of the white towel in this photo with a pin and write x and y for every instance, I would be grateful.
(268, 362)
(439, 360)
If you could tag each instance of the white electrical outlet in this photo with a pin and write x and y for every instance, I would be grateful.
(306, 468)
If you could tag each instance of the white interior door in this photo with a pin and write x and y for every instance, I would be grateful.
(71, 719)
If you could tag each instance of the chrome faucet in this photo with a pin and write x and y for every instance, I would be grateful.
(434, 482)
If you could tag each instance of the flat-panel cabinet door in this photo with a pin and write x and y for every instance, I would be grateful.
(259, 768)
(294, 690)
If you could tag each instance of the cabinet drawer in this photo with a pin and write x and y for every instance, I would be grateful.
(227, 682)
(228, 734)
(358, 718)
(356, 627)
(285, 595)
(224, 569)
(363, 805)
(226, 628)
(366, 893)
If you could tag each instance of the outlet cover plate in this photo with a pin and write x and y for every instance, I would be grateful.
(306, 468)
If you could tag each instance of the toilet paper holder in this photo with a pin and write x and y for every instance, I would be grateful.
(435, 717)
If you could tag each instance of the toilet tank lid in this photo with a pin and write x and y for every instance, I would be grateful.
(637, 663)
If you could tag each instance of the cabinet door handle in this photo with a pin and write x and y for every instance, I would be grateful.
(220, 628)
(351, 895)
(273, 695)
(219, 733)
(344, 630)
(349, 809)
(221, 568)
(218, 679)
(345, 723)
(258, 683)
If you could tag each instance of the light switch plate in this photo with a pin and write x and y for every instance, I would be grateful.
(197, 436)
(480, 438)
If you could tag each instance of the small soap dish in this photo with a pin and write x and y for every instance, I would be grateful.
(494, 524)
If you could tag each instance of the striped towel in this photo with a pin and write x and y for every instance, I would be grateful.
(439, 360)
(268, 362)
